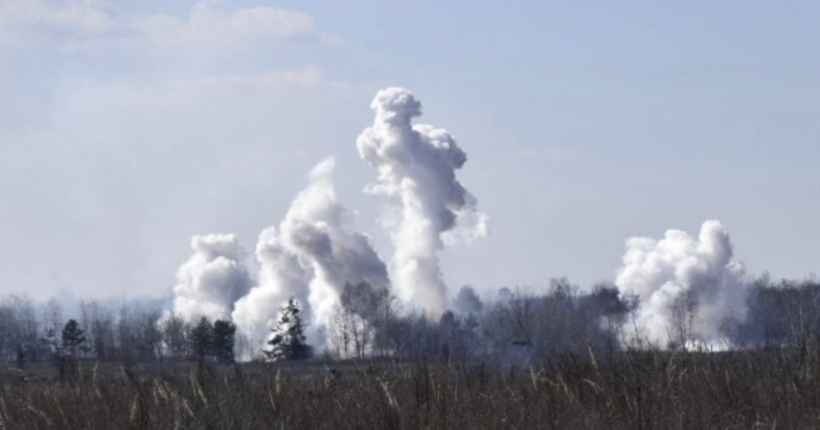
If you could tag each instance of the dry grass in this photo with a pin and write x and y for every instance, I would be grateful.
(776, 389)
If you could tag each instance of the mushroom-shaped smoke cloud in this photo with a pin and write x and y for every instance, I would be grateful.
(690, 289)
(213, 279)
(416, 164)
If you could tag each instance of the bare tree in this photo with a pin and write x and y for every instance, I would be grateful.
(361, 320)
(18, 328)
(175, 340)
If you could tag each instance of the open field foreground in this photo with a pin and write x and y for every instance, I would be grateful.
(774, 389)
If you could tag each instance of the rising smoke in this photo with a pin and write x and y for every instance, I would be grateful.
(281, 276)
(311, 257)
(416, 165)
(316, 228)
(213, 279)
(313, 254)
(690, 289)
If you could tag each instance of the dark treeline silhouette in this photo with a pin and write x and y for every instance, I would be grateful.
(781, 313)
(517, 327)
(128, 333)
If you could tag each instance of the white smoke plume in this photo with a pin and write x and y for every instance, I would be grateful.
(213, 279)
(281, 276)
(316, 227)
(311, 258)
(690, 289)
(417, 165)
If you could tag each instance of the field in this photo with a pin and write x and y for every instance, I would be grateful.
(772, 389)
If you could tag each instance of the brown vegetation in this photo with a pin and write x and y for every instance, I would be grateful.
(632, 390)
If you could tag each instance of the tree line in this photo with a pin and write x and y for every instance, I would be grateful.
(129, 333)
(516, 325)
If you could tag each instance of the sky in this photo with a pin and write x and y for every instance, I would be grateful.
(128, 127)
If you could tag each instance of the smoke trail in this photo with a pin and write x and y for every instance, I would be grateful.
(417, 165)
(211, 281)
(690, 289)
(311, 258)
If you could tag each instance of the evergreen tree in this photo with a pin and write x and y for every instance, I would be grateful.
(202, 336)
(288, 341)
(73, 338)
(223, 341)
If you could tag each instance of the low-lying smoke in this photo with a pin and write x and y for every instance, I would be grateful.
(213, 279)
(690, 289)
(416, 165)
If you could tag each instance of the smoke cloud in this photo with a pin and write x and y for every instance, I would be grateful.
(213, 279)
(314, 254)
(281, 276)
(311, 258)
(316, 228)
(690, 289)
(416, 166)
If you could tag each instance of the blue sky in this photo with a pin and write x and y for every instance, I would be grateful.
(127, 127)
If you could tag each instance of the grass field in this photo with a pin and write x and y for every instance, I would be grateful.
(773, 389)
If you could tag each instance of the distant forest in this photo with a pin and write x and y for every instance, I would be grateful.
(518, 326)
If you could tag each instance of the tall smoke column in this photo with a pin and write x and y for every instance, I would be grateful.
(311, 258)
(316, 227)
(213, 279)
(417, 164)
(281, 276)
(677, 269)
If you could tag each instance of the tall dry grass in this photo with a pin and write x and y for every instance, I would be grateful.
(775, 389)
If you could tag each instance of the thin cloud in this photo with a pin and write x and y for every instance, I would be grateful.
(308, 76)
(228, 86)
(545, 155)
(208, 28)
(213, 29)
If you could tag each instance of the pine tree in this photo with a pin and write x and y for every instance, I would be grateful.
(202, 339)
(288, 341)
(73, 338)
(223, 341)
